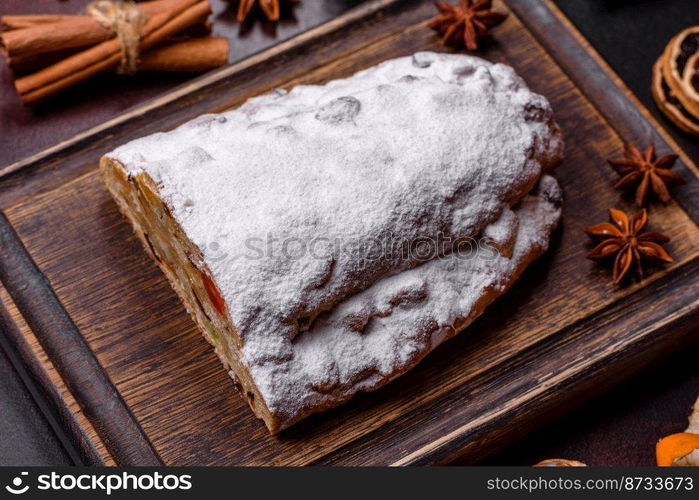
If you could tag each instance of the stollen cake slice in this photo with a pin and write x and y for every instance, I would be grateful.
(327, 238)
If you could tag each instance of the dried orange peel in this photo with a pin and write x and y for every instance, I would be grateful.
(681, 449)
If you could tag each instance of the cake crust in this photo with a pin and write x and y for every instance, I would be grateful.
(436, 148)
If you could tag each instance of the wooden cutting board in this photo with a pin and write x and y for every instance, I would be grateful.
(134, 382)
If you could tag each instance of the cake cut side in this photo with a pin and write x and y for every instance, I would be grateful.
(291, 227)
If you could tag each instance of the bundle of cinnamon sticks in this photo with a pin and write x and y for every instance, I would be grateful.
(62, 50)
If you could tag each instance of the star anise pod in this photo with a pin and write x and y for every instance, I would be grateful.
(269, 7)
(646, 172)
(623, 238)
(465, 23)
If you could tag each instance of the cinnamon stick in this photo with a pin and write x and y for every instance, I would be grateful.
(186, 55)
(80, 31)
(14, 22)
(33, 62)
(27, 37)
(19, 21)
(106, 55)
(189, 56)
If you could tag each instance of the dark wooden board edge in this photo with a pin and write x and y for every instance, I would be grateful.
(48, 398)
(605, 89)
(71, 355)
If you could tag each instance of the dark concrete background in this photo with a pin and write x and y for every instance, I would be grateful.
(26, 438)
(619, 428)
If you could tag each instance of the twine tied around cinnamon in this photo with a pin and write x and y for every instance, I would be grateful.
(125, 20)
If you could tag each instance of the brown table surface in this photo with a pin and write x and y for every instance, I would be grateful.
(619, 428)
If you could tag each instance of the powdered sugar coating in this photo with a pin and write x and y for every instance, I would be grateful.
(423, 147)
